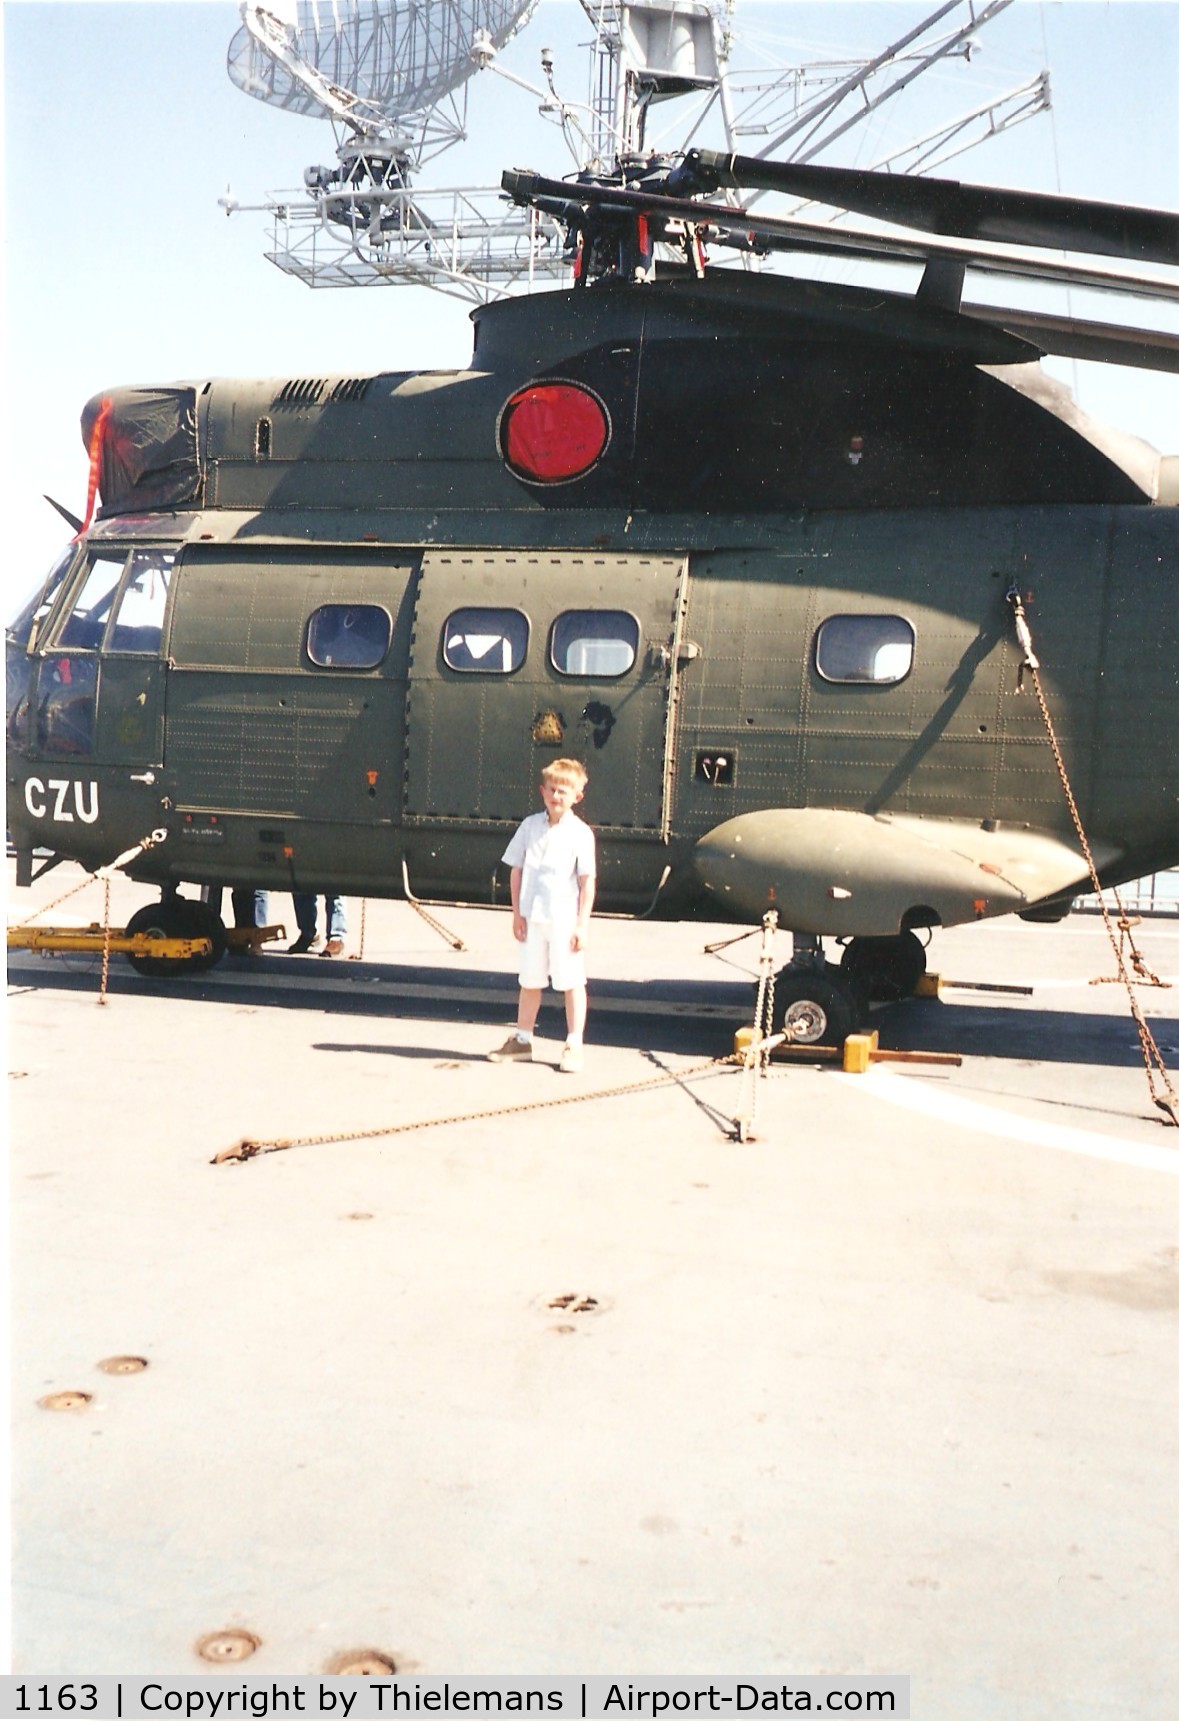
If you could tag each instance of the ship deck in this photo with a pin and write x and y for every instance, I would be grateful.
(596, 1387)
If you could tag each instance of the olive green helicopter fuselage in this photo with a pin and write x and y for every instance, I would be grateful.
(749, 548)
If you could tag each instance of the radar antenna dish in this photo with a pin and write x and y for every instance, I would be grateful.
(368, 62)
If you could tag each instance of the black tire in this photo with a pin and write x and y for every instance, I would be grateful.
(820, 1009)
(199, 921)
(177, 917)
(884, 969)
(161, 919)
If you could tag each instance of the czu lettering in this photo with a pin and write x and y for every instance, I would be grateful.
(50, 800)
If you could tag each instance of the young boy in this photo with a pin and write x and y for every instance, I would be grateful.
(552, 857)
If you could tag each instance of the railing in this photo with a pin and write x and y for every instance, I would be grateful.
(1157, 893)
(464, 240)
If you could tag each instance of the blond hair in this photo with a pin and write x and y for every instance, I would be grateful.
(567, 768)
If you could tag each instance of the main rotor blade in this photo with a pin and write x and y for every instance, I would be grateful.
(70, 519)
(570, 200)
(1071, 338)
(946, 206)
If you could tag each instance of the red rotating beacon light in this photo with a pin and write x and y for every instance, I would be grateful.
(553, 431)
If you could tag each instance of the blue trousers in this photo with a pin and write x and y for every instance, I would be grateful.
(249, 906)
(305, 913)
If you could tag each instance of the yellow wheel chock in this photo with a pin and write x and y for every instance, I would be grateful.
(857, 1054)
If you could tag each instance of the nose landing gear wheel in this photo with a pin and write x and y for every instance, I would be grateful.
(159, 920)
(815, 1009)
(177, 917)
(199, 921)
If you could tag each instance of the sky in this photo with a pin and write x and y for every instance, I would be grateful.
(122, 130)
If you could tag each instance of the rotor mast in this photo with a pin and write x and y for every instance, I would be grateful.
(646, 53)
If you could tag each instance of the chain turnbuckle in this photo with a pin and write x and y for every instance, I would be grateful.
(757, 1057)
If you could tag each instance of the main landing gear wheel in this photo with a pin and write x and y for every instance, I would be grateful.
(177, 917)
(884, 969)
(814, 1008)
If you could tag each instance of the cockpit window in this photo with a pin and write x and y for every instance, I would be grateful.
(18, 679)
(865, 648)
(595, 642)
(41, 602)
(86, 622)
(139, 616)
(491, 641)
(349, 636)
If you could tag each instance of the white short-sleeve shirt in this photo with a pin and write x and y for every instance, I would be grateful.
(553, 859)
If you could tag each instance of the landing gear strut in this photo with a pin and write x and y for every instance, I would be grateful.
(815, 1004)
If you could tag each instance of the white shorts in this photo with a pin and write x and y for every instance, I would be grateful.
(545, 955)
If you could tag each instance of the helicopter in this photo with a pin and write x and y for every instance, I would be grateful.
(752, 546)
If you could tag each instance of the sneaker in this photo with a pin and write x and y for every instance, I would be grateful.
(333, 947)
(305, 941)
(572, 1059)
(513, 1050)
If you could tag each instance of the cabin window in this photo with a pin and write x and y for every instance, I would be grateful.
(595, 642)
(865, 648)
(139, 615)
(491, 641)
(86, 622)
(65, 705)
(349, 636)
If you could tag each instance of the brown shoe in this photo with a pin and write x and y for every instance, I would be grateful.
(513, 1051)
(333, 947)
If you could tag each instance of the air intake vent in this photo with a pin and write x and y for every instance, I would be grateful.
(304, 392)
(308, 391)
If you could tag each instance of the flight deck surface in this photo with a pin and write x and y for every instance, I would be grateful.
(596, 1388)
